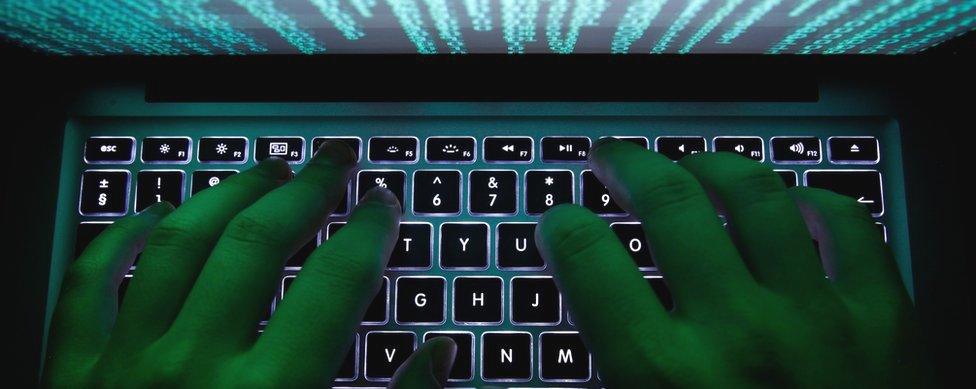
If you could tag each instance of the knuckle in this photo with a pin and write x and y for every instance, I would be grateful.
(756, 185)
(346, 267)
(250, 228)
(573, 241)
(176, 233)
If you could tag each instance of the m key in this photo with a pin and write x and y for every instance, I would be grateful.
(563, 357)
(386, 351)
(477, 300)
(437, 192)
(535, 300)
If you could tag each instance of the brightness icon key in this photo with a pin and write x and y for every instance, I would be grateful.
(222, 150)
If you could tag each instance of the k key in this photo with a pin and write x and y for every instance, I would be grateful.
(450, 149)
(386, 351)
(154, 186)
(437, 192)
(545, 189)
(104, 193)
(492, 192)
(390, 179)
(596, 196)
(477, 300)
(515, 247)
(506, 356)
(563, 357)
(420, 300)
(535, 300)
(464, 246)
(413, 247)
(632, 236)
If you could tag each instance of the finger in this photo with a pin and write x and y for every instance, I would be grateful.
(236, 285)
(328, 299)
(615, 309)
(763, 219)
(428, 367)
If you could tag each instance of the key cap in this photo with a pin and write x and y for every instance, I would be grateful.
(392, 149)
(376, 312)
(565, 148)
(123, 287)
(788, 176)
(349, 368)
(477, 300)
(747, 146)
(288, 148)
(390, 179)
(508, 149)
(153, 186)
(166, 150)
(882, 230)
(222, 150)
(661, 290)
(420, 300)
(203, 179)
(632, 236)
(563, 357)
(464, 246)
(86, 233)
(385, 351)
(414, 247)
(515, 247)
(492, 192)
(853, 149)
(506, 356)
(463, 368)
(342, 207)
(795, 149)
(535, 300)
(332, 228)
(447, 149)
(110, 149)
(298, 259)
(353, 142)
(677, 147)
(637, 140)
(104, 193)
(437, 192)
(861, 185)
(545, 189)
(596, 196)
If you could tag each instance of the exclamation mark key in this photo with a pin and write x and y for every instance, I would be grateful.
(153, 186)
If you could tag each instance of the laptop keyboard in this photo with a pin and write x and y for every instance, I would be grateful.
(465, 265)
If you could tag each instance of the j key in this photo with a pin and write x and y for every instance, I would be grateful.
(506, 356)
(110, 149)
(632, 237)
(661, 290)
(348, 369)
(464, 246)
(354, 143)
(437, 192)
(166, 150)
(153, 186)
(390, 179)
(515, 247)
(420, 300)
(637, 140)
(227, 150)
(565, 148)
(545, 189)
(86, 233)
(450, 149)
(492, 192)
(508, 149)
(790, 149)
(203, 179)
(563, 357)
(788, 176)
(104, 192)
(596, 197)
(535, 300)
(413, 247)
(298, 259)
(385, 351)
(290, 148)
(746, 146)
(853, 149)
(377, 310)
(677, 147)
(463, 369)
(477, 300)
(861, 185)
(393, 149)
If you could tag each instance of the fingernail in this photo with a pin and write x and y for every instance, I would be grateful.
(381, 195)
(335, 151)
(442, 353)
(159, 209)
(601, 142)
(276, 167)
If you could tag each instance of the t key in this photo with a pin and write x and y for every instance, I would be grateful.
(477, 300)
(413, 247)
(535, 300)
(464, 246)
(437, 192)
(386, 351)
(545, 189)
(492, 192)
(104, 193)
(153, 186)
(420, 300)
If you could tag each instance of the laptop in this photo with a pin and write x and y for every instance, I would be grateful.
(479, 116)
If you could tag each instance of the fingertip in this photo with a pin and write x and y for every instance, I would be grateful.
(275, 168)
(559, 224)
(382, 196)
(336, 152)
(158, 210)
(443, 350)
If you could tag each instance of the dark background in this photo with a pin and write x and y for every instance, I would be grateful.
(933, 90)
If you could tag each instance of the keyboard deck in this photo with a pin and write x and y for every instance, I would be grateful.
(465, 265)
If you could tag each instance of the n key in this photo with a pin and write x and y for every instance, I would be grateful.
(535, 300)
(506, 356)
(563, 357)
(386, 351)
(464, 246)
(154, 186)
(104, 193)
(477, 300)
(437, 192)
(492, 192)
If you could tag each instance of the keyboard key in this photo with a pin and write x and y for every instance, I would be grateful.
(392, 149)
(661, 290)
(477, 300)
(597, 198)
(788, 176)
(110, 149)
(677, 147)
(376, 312)
(222, 150)
(298, 259)
(515, 247)
(563, 357)
(104, 193)
(535, 300)
(203, 179)
(746, 146)
(545, 189)
(342, 207)
(420, 300)
(353, 142)
(565, 148)
(463, 369)
(286, 282)
(631, 234)
(450, 149)
(385, 351)
(506, 356)
(153, 186)
(861, 185)
(390, 179)
(508, 149)
(853, 149)
(86, 233)
(437, 192)
(882, 230)
(123, 287)
(166, 150)
(349, 368)
(492, 192)
(795, 149)
(464, 246)
(413, 248)
(288, 148)
(637, 140)
(332, 229)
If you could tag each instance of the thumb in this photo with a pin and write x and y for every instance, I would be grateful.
(428, 367)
